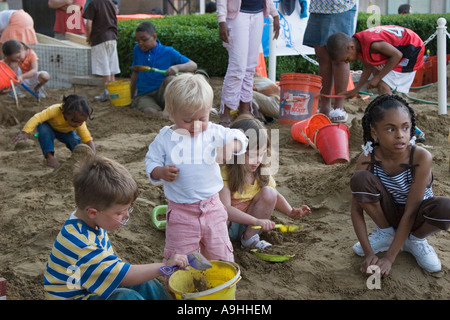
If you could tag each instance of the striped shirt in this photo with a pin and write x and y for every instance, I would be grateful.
(399, 185)
(82, 263)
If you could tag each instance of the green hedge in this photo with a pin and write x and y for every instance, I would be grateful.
(197, 37)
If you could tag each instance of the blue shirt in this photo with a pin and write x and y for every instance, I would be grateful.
(161, 57)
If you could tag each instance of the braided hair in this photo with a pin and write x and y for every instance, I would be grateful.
(375, 112)
(77, 103)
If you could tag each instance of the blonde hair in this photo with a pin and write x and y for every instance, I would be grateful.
(236, 170)
(188, 92)
(101, 182)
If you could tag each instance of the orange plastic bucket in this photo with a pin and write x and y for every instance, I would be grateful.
(427, 72)
(308, 127)
(332, 142)
(299, 97)
(418, 79)
(6, 75)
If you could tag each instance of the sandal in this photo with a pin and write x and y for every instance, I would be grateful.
(260, 244)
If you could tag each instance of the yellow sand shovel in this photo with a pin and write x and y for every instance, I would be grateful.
(283, 227)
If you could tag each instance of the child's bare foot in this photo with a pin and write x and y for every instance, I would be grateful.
(51, 161)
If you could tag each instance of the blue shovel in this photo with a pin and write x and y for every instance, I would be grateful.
(31, 91)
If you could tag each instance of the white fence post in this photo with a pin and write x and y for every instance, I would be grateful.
(272, 53)
(442, 65)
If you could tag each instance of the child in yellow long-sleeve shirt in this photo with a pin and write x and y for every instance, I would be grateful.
(65, 122)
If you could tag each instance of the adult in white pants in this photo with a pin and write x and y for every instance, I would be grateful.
(240, 28)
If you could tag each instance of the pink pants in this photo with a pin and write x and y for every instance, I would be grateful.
(245, 33)
(201, 225)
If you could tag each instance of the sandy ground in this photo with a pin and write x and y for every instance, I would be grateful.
(35, 201)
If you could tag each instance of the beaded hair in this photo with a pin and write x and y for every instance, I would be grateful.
(375, 112)
(77, 103)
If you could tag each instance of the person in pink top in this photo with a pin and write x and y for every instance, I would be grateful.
(240, 28)
(68, 17)
(24, 62)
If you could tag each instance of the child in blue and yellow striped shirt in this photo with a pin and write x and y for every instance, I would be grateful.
(82, 263)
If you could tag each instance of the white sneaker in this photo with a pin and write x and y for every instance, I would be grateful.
(425, 255)
(19, 93)
(41, 93)
(380, 241)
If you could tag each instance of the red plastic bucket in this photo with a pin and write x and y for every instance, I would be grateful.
(332, 142)
(6, 75)
(418, 79)
(299, 97)
(308, 127)
(427, 72)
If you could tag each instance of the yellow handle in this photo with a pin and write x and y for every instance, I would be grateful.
(259, 227)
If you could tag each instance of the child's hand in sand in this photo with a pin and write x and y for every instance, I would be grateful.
(369, 260)
(21, 136)
(297, 213)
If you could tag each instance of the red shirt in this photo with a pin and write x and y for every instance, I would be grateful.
(405, 40)
(70, 22)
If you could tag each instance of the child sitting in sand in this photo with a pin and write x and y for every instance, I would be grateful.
(65, 122)
(183, 156)
(82, 263)
(393, 185)
(249, 193)
(24, 62)
(147, 88)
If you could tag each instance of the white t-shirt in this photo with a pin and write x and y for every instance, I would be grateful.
(199, 177)
(4, 18)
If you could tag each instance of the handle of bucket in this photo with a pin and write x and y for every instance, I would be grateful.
(191, 296)
(309, 141)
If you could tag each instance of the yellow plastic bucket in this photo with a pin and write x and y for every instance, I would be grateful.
(119, 92)
(219, 282)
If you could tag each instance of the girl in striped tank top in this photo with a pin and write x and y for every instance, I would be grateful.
(392, 184)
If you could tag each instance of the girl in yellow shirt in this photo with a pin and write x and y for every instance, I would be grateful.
(65, 122)
(249, 192)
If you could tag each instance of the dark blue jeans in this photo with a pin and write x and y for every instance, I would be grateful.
(150, 290)
(47, 136)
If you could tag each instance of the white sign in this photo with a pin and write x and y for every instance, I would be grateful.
(293, 23)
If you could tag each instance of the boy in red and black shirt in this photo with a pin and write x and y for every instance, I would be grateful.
(391, 53)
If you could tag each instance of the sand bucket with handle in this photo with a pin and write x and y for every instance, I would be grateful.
(7, 79)
(332, 142)
(299, 96)
(7, 76)
(216, 283)
(308, 127)
(119, 92)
